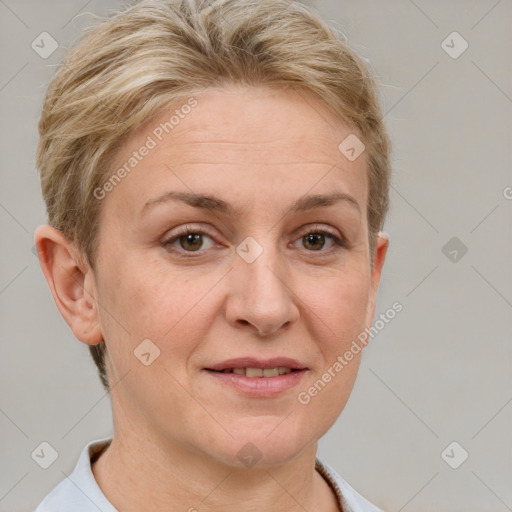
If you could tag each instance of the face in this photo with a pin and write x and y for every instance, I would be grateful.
(254, 271)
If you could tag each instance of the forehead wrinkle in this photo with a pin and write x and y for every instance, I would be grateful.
(205, 133)
(253, 164)
(214, 153)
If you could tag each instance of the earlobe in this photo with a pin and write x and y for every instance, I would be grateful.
(69, 279)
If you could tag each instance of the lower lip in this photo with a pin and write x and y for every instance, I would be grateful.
(263, 387)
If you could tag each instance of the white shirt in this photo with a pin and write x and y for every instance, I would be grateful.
(80, 493)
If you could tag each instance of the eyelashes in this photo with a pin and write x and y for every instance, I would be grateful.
(192, 237)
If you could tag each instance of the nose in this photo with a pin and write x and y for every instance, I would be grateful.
(261, 296)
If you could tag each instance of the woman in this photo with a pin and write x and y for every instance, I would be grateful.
(216, 176)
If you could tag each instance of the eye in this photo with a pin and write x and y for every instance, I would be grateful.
(187, 239)
(315, 240)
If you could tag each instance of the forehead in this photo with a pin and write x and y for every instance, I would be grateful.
(239, 141)
(258, 118)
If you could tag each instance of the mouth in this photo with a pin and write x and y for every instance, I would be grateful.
(256, 377)
(258, 372)
(256, 367)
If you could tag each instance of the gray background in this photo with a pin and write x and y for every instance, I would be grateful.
(439, 372)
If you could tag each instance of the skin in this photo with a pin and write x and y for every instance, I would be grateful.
(177, 432)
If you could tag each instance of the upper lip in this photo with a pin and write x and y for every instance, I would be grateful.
(253, 362)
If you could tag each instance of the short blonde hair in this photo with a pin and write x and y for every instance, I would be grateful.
(126, 68)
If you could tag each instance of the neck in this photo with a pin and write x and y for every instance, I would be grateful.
(135, 469)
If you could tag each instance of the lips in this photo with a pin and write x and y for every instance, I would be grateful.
(258, 372)
(258, 368)
(258, 378)
(254, 363)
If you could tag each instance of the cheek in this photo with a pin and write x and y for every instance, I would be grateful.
(339, 303)
(147, 300)
(340, 312)
(141, 295)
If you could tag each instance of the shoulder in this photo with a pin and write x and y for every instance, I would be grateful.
(79, 491)
(348, 497)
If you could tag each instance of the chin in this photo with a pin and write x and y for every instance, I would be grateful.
(263, 448)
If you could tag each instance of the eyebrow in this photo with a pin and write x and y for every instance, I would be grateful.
(208, 202)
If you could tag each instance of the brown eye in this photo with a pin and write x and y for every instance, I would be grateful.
(191, 241)
(314, 241)
(188, 240)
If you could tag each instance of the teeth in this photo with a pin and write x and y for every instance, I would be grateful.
(253, 372)
(259, 372)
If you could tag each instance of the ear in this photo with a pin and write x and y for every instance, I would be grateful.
(381, 248)
(71, 281)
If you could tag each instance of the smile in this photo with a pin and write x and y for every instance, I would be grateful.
(258, 372)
